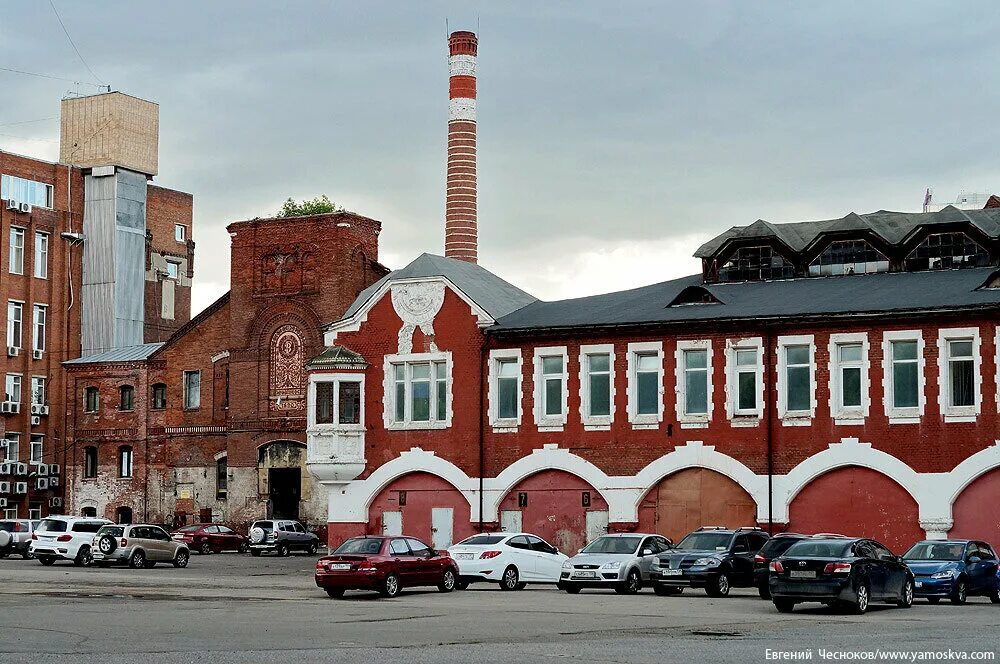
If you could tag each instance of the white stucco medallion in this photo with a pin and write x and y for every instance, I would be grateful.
(417, 304)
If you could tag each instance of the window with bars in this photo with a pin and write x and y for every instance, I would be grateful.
(756, 264)
(848, 257)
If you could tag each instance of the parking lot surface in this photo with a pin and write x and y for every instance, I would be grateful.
(234, 608)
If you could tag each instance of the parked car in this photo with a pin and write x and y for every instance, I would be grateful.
(386, 565)
(208, 538)
(851, 572)
(65, 538)
(622, 561)
(773, 548)
(511, 560)
(15, 537)
(714, 558)
(281, 536)
(139, 545)
(955, 569)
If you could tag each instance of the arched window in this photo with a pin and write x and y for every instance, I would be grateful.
(91, 400)
(123, 514)
(90, 461)
(124, 461)
(848, 257)
(944, 251)
(126, 394)
(90, 512)
(159, 396)
(756, 264)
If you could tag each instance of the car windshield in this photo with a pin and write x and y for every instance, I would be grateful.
(480, 540)
(821, 549)
(935, 551)
(621, 545)
(192, 529)
(706, 542)
(114, 531)
(267, 526)
(360, 545)
(52, 525)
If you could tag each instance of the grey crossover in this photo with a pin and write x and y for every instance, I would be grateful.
(138, 546)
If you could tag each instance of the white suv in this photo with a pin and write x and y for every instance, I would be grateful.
(65, 538)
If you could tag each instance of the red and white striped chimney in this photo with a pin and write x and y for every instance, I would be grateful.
(460, 227)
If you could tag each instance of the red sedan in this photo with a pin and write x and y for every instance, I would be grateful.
(385, 564)
(211, 538)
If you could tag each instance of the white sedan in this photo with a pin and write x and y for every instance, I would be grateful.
(512, 560)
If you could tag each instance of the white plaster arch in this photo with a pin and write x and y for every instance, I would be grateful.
(695, 454)
(970, 470)
(549, 457)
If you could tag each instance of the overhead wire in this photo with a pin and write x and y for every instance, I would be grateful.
(73, 44)
(50, 76)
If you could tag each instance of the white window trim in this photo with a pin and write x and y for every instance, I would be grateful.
(504, 425)
(596, 422)
(744, 417)
(36, 439)
(389, 392)
(45, 389)
(959, 413)
(550, 422)
(796, 417)
(336, 379)
(693, 421)
(852, 415)
(648, 420)
(10, 248)
(996, 363)
(15, 343)
(903, 415)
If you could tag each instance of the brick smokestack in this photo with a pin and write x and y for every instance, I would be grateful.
(460, 227)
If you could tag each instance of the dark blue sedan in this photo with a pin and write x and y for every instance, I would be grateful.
(953, 569)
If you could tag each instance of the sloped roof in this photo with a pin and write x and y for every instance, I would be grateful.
(893, 227)
(126, 354)
(887, 292)
(496, 296)
(337, 356)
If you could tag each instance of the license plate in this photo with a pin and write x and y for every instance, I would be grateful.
(671, 572)
(464, 556)
(798, 574)
(919, 584)
(339, 567)
(585, 575)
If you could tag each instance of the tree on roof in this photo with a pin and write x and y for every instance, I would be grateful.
(319, 205)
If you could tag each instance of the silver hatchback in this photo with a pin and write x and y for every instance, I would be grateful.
(620, 561)
(138, 545)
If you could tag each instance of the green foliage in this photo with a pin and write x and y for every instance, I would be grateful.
(319, 205)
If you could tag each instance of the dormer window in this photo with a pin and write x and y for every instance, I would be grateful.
(756, 264)
(945, 251)
(848, 257)
(693, 295)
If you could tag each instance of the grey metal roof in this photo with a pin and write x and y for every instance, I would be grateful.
(126, 354)
(496, 296)
(888, 292)
(338, 356)
(893, 227)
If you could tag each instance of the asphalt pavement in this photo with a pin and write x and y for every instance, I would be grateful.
(234, 608)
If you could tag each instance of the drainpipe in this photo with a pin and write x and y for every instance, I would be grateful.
(482, 435)
(769, 406)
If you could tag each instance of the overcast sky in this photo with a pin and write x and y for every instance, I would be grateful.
(614, 137)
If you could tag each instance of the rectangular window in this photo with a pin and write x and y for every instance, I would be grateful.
(15, 316)
(38, 331)
(349, 406)
(552, 385)
(849, 360)
(508, 388)
(41, 265)
(192, 390)
(91, 400)
(599, 384)
(324, 402)
(399, 372)
(124, 461)
(89, 462)
(961, 373)
(180, 232)
(419, 393)
(13, 388)
(16, 261)
(22, 190)
(695, 382)
(12, 441)
(172, 269)
(37, 445)
(38, 390)
(221, 478)
(159, 396)
(798, 379)
(905, 371)
(647, 383)
(746, 373)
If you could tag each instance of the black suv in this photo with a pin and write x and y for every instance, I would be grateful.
(775, 546)
(712, 557)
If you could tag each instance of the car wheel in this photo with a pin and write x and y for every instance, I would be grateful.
(255, 552)
(83, 557)
(312, 549)
(335, 592)
(764, 591)
(960, 592)
(933, 600)
(906, 601)
(718, 587)
(632, 583)
(784, 605)
(447, 581)
(282, 550)
(27, 555)
(181, 559)
(138, 560)
(205, 548)
(995, 596)
(462, 585)
(571, 588)
(860, 606)
(510, 579)
(390, 587)
(46, 560)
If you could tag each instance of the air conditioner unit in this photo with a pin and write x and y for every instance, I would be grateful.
(12, 204)
(21, 469)
(20, 487)
(43, 469)
(55, 502)
(6, 468)
(13, 351)
(4, 487)
(53, 482)
(35, 420)
(36, 409)
(41, 483)
(25, 207)
(53, 469)
(44, 410)
(3, 502)
(10, 407)
(37, 354)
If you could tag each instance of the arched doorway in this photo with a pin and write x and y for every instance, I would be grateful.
(972, 518)
(858, 502)
(424, 506)
(281, 470)
(695, 497)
